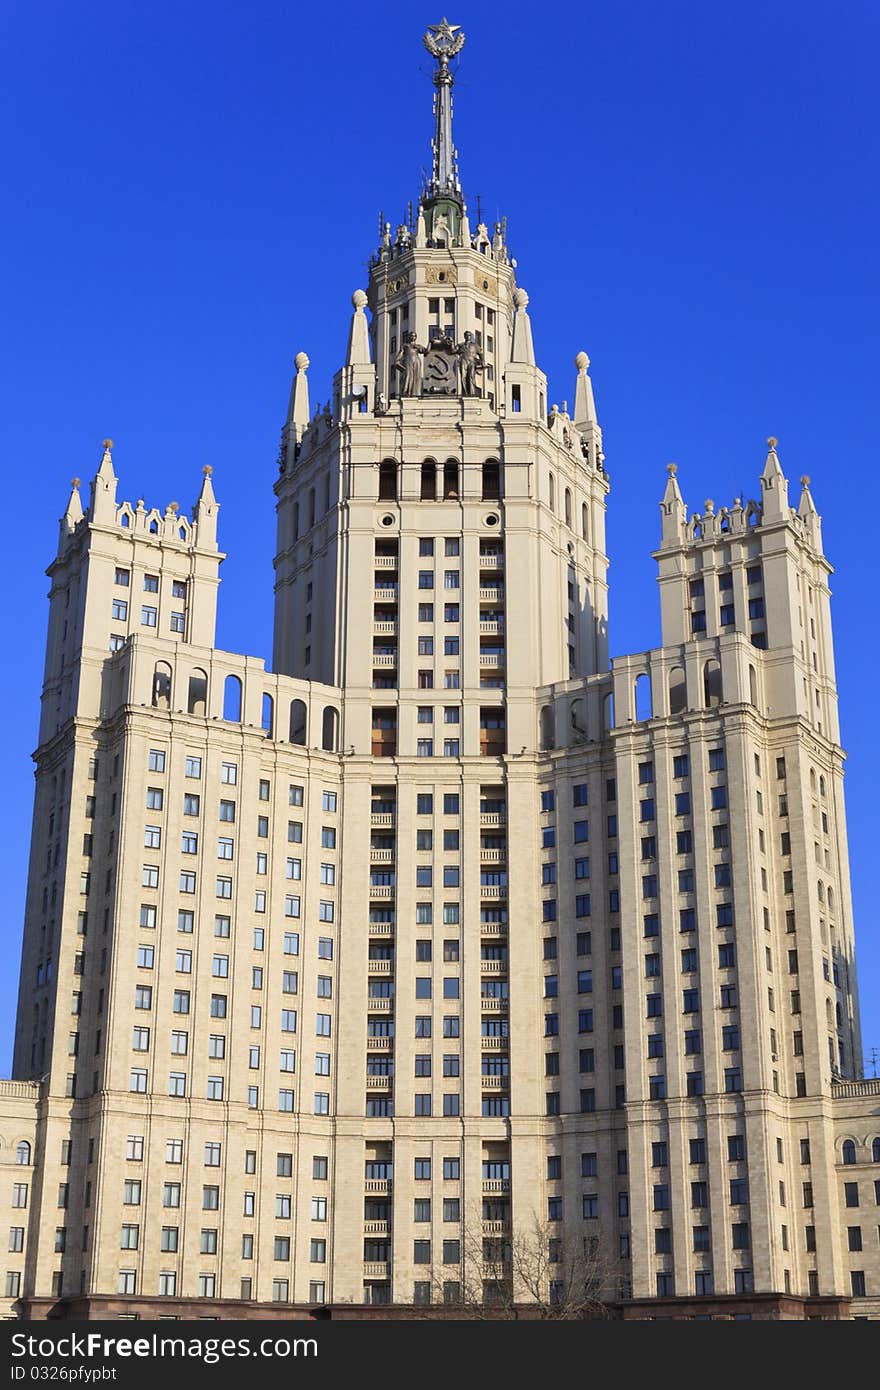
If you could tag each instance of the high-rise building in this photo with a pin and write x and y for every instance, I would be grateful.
(444, 962)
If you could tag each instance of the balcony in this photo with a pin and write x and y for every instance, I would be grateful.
(380, 967)
(385, 562)
(491, 625)
(491, 1185)
(381, 856)
(381, 928)
(493, 890)
(491, 593)
(385, 627)
(489, 1004)
(381, 890)
(386, 594)
(384, 658)
(380, 1044)
(492, 856)
(377, 1269)
(379, 1005)
(494, 1044)
(487, 967)
(495, 1228)
(493, 929)
(491, 562)
(488, 818)
(377, 1185)
(379, 1083)
(382, 818)
(495, 1083)
(379, 1228)
(496, 1270)
(488, 660)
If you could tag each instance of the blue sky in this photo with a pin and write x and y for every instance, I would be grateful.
(192, 192)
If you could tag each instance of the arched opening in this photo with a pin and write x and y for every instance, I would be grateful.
(813, 780)
(568, 506)
(677, 691)
(491, 481)
(875, 1151)
(181, 532)
(450, 478)
(578, 726)
(548, 728)
(330, 729)
(848, 1151)
(830, 901)
(642, 701)
(267, 717)
(608, 712)
(297, 733)
(162, 686)
(712, 684)
(22, 1152)
(154, 528)
(428, 489)
(551, 494)
(232, 700)
(387, 481)
(822, 787)
(584, 522)
(753, 686)
(838, 1013)
(197, 698)
(125, 520)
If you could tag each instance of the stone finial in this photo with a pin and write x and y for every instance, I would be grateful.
(207, 470)
(772, 441)
(584, 404)
(672, 469)
(358, 354)
(709, 506)
(173, 508)
(522, 348)
(75, 482)
(107, 444)
(298, 405)
(805, 480)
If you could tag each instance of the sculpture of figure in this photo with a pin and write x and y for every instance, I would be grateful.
(381, 404)
(470, 362)
(409, 365)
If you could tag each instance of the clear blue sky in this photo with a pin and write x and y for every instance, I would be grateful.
(192, 191)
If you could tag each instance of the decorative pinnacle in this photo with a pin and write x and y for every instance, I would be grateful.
(174, 507)
(805, 480)
(207, 470)
(672, 469)
(581, 361)
(301, 361)
(107, 444)
(75, 482)
(772, 442)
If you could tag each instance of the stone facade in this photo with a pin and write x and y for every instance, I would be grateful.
(393, 975)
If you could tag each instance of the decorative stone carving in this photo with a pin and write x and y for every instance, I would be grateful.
(409, 365)
(435, 276)
(470, 362)
(440, 376)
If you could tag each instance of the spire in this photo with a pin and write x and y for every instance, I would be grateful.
(443, 41)
(522, 349)
(808, 514)
(774, 486)
(673, 511)
(73, 514)
(358, 354)
(298, 409)
(584, 405)
(205, 512)
(103, 500)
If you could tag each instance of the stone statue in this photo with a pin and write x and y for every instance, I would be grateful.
(470, 360)
(409, 365)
